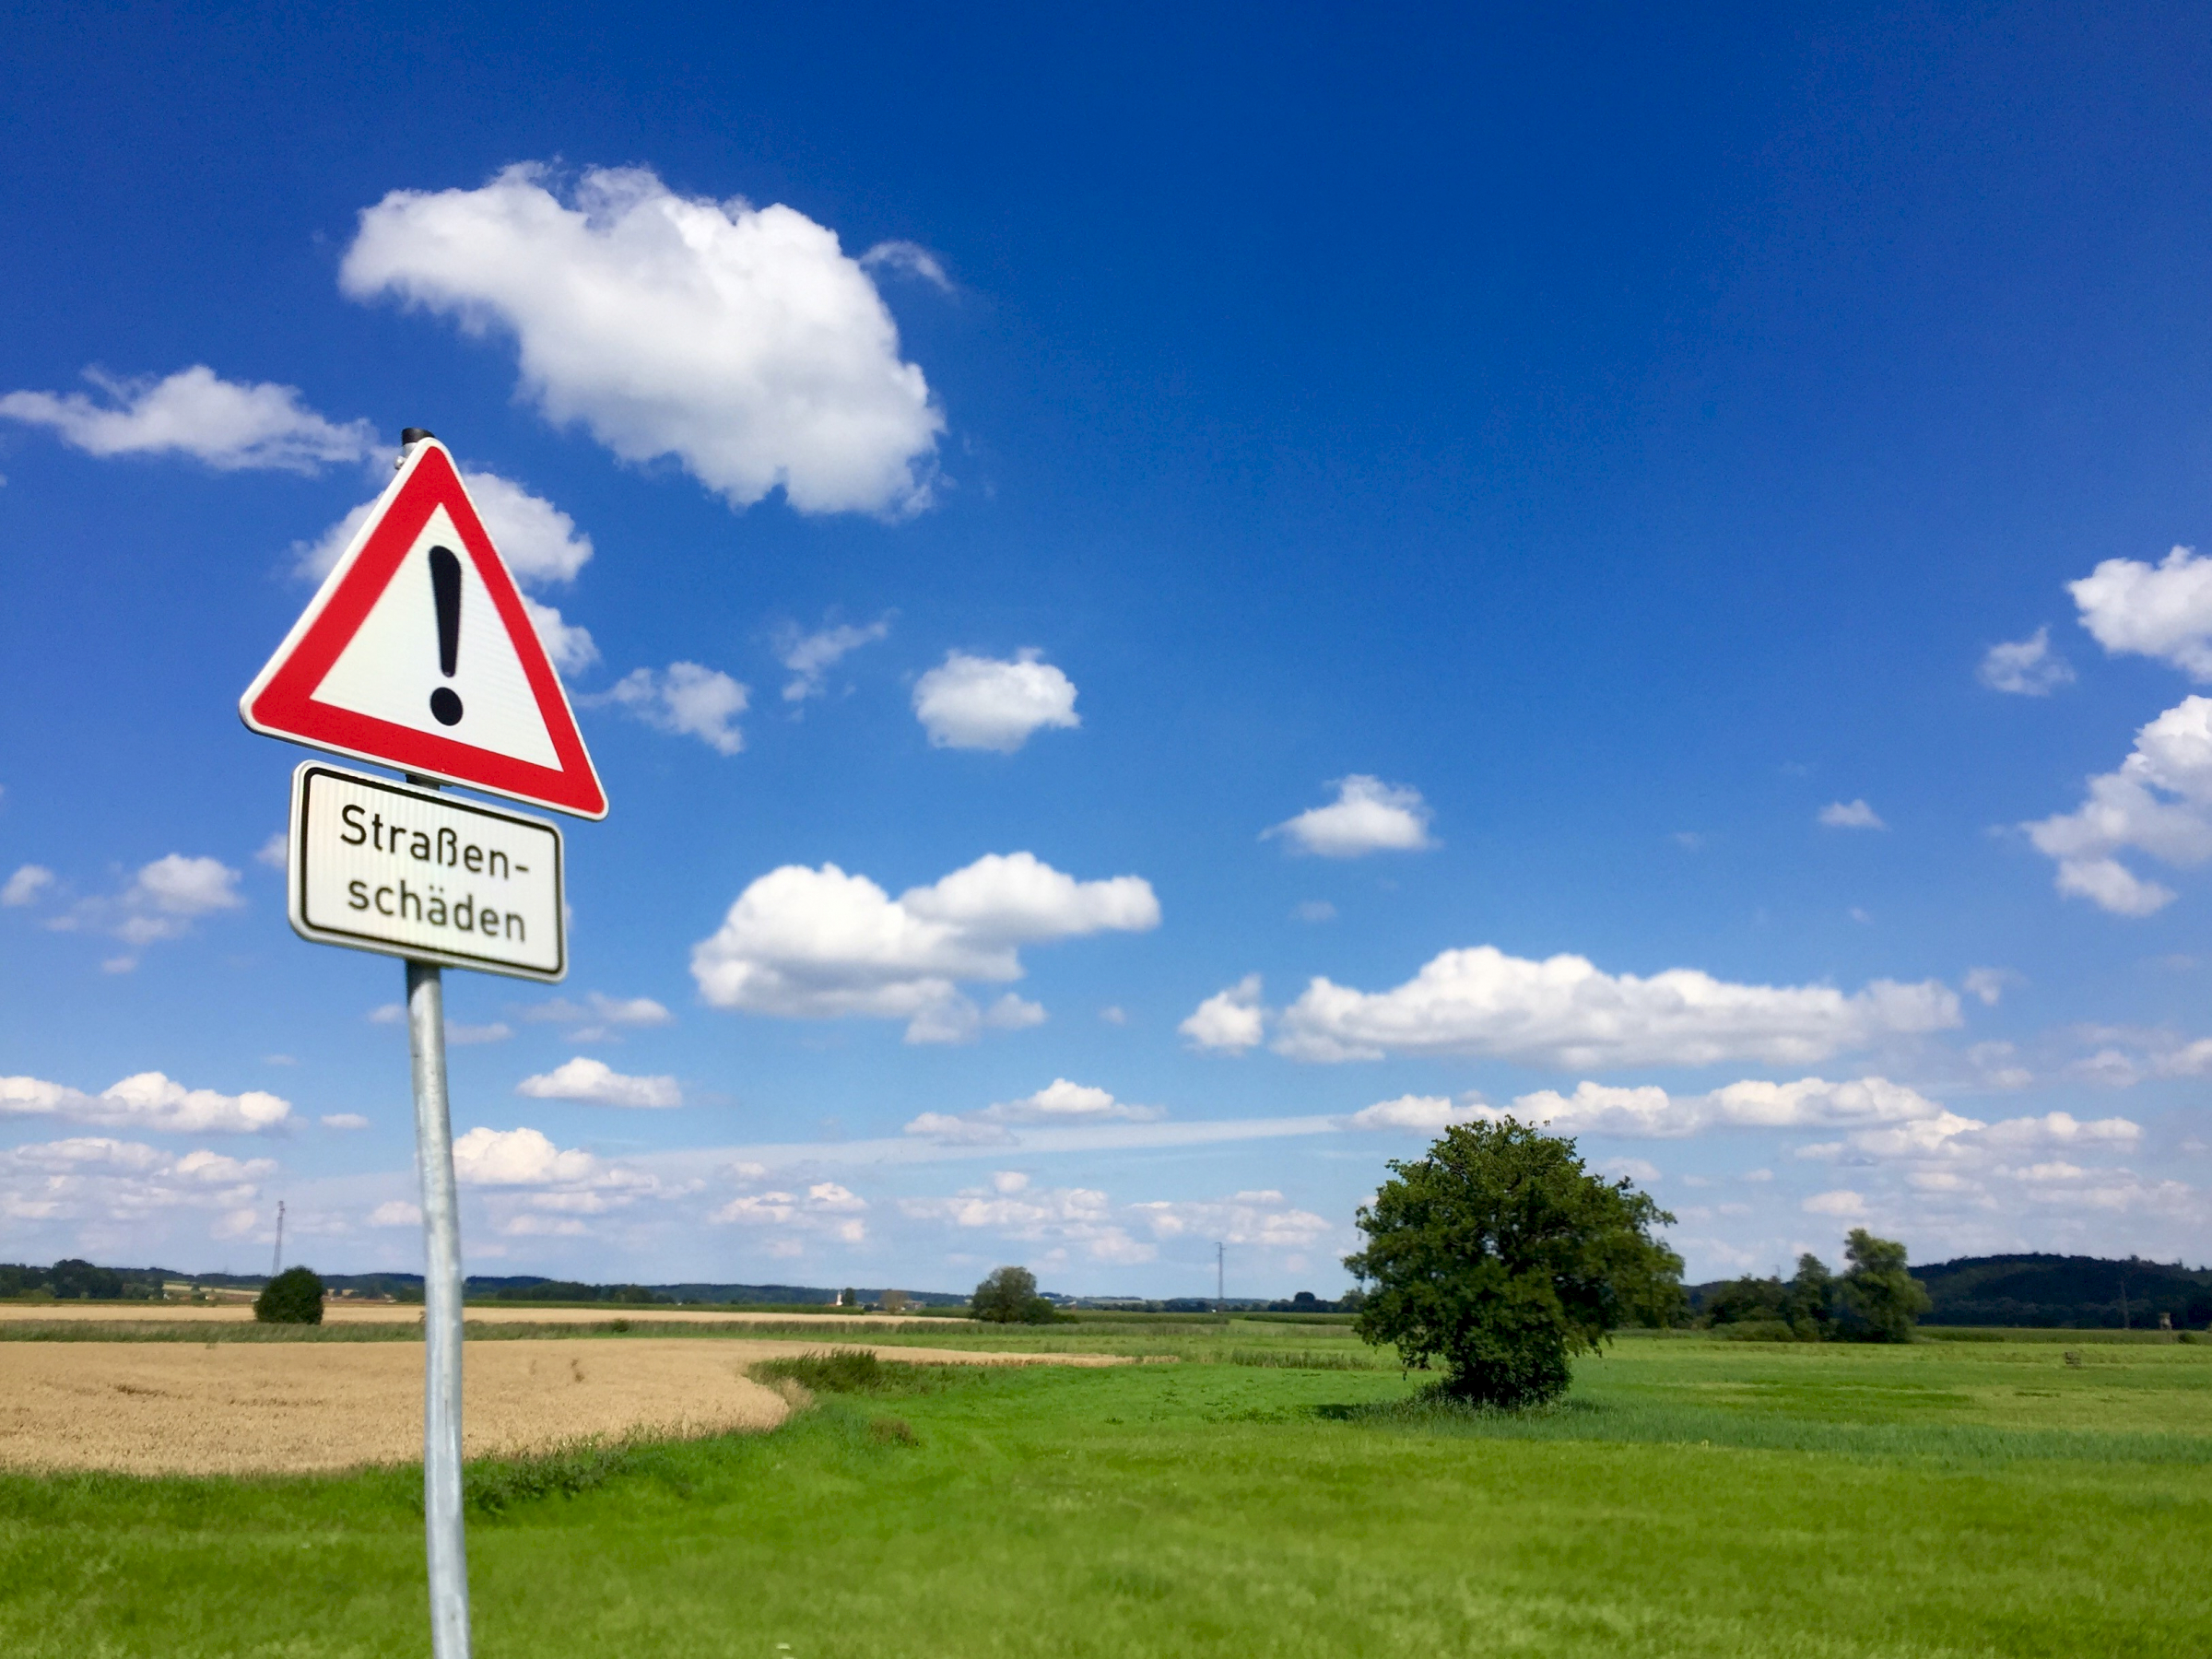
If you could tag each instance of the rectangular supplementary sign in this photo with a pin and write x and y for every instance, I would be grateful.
(411, 873)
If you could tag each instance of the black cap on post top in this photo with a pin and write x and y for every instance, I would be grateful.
(415, 435)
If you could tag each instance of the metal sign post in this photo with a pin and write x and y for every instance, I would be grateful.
(447, 1545)
(420, 657)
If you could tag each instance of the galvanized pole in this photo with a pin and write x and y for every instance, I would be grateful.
(447, 1547)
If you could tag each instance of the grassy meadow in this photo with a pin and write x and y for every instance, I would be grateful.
(1271, 1490)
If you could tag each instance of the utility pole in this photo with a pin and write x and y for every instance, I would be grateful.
(1220, 1297)
(276, 1260)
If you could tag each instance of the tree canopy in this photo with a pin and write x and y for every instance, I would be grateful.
(1009, 1297)
(1878, 1289)
(1501, 1257)
(293, 1297)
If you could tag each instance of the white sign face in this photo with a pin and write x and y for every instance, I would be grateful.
(409, 872)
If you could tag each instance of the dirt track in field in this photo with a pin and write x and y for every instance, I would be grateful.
(244, 1408)
(369, 1313)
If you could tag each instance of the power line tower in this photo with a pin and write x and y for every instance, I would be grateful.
(276, 1260)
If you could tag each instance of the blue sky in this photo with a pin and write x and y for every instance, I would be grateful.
(1166, 602)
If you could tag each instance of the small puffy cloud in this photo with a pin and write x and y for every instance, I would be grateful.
(596, 1083)
(106, 1182)
(825, 1209)
(1367, 815)
(1842, 1202)
(470, 1036)
(1229, 1021)
(910, 259)
(1264, 1218)
(742, 341)
(822, 944)
(1059, 1102)
(959, 1020)
(1078, 1216)
(1566, 1012)
(1313, 910)
(2164, 611)
(163, 901)
(501, 1158)
(146, 1101)
(275, 852)
(2025, 667)
(1421, 1114)
(2159, 801)
(344, 1121)
(396, 1212)
(569, 646)
(689, 700)
(25, 884)
(1850, 815)
(599, 1017)
(989, 703)
(810, 656)
(195, 412)
(1987, 984)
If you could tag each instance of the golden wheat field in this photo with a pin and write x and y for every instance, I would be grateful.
(383, 1312)
(239, 1408)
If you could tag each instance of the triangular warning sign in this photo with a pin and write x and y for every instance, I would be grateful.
(417, 653)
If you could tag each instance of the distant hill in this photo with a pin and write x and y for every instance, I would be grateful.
(2080, 1292)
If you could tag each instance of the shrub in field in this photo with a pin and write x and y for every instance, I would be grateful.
(1877, 1290)
(293, 1297)
(1501, 1257)
(1009, 1297)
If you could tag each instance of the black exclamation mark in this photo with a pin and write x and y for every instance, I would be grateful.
(446, 589)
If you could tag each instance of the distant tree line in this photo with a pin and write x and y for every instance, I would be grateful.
(72, 1280)
(1876, 1301)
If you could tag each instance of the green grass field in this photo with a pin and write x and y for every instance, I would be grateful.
(1268, 1494)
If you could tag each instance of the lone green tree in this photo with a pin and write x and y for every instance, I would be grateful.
(1009, 1297)
(1878, 1290)
(1501, 1257)
(293, 1297)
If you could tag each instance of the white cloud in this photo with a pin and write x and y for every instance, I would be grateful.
(25, 886)
(599, 1017)
(1424, 1114)
(958, 1021)
(396, 1212)
(1850, 815)
(343, 1121)
(195, 412)
(2164, 611)
(470, 1036)
(1313, 910)
(689, 700)
(1059, 1102)
(275, 852)
(1063, 1215)
(1635, 1168)
(1842, 1202)
(2025, 667)
(1263, 1219)
(825, 1209)
(810, 656)
(1564, 1012)
(2159, 801)
(1987, 984)
(1230, 1020)
(164, 899)
(598, 1084)
(1651, 1112)
(909, 258)
(108, 1183)
(517, 1157)
(1367, 815)
(146, 1101)
(569, 644)
(740, 340)
(820, 944)
(989, 703)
